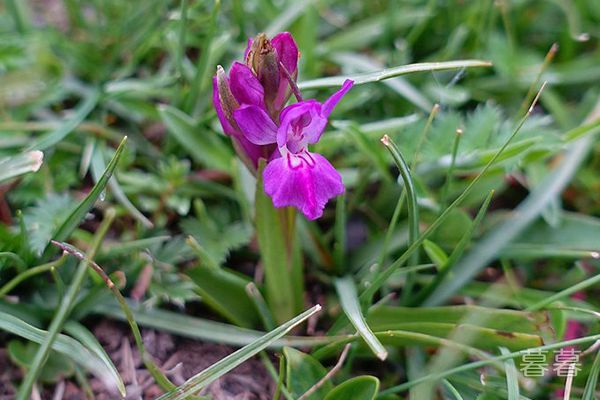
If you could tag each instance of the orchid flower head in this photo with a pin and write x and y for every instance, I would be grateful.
(295, 177)
(250, 104)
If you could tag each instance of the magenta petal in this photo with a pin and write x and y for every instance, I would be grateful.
(287, 51)
(244, 85)
(287, 55)
(255, 124)
(331, 102)
(227, 128)
(300, 123)
(306, 181)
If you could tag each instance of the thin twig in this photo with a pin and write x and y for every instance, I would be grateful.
(329, 375)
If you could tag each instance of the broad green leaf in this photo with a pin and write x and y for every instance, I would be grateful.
(387, 317)
(203, 145)
(357, 388)
(302, 372)
(11, 167)
(220, 368)
(477, 337)
(225, 291)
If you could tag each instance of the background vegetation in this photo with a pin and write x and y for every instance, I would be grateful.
(492, 251)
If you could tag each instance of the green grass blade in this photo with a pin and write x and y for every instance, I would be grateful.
(88, 339)
(512, 376)
(413, 209)
(483, 363)
(456, 253)
(351, 306)
(204, 146)
(388, 73)
(98, 165)
(11, 167)
(62, 313)
(228, 363)
(379, 280)
(198, 84)
(527, 212)
(564, 293)
(452, 390)
(204, 329)
(51, 138)
(10, 285)
(66, 345)
(75, 218)
(589, 392)
(287, 17)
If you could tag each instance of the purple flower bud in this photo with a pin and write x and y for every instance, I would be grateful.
(263, 82)
(275, 63)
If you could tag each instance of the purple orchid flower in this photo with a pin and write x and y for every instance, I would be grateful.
(295, 177)
(271, 67)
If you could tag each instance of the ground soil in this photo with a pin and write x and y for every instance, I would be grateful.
(179, 358)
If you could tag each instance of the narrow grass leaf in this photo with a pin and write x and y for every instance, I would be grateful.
(512, 376)
(204, 329)
(589, 392)
(65, 345)
(64, 309)
(88, 339)
(349, 301)
(225, 291)
(413, 209)
(204, 146)
(75, 218)
(527, 212)
(228, 363)
(490, 361)
(98, 165)
(388, 73)
(450, 388)
(53, 137)
(12, 167)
